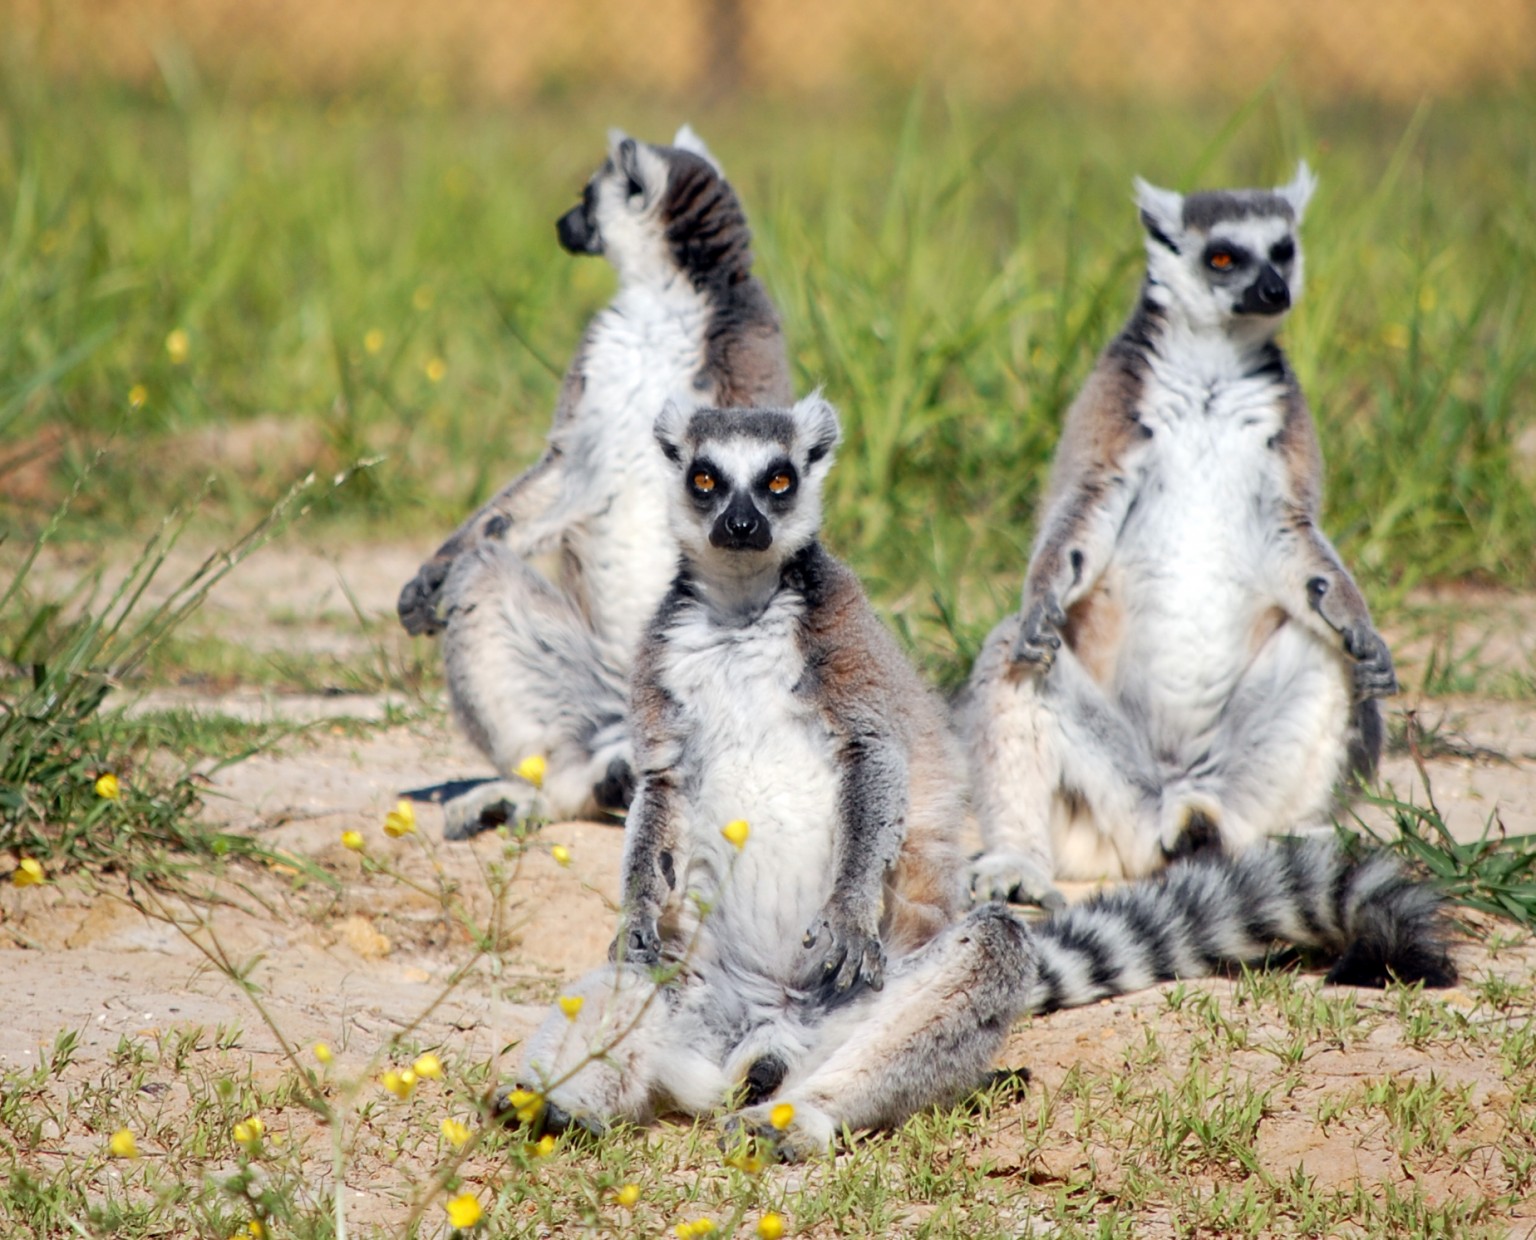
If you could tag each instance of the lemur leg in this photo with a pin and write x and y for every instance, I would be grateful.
(1064, 785)
(926, 1039)
(527, 675)
(632, 1050)
(1281, 747)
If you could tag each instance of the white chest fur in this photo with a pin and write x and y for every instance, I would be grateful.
(1188, 564)
(754, 749)
(646, 350)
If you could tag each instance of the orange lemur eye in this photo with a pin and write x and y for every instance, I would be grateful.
(703, 482)
(780, 483)
(1221, 260)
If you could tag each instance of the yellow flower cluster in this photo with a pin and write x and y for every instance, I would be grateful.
(532, 768)
(323, 1052)
(250, 1130)
(699, 1227)
(770, 1226)
(455, 1133)
(782, 1115)
(353, 840)
(561, 854)
(28, 873)
(463, 1211)
(570, 1005)
(401, 820)
(122, 1144)
(736, 831)
(628, 1196)
(525, 1104)
(108, 788)
(400, 1083)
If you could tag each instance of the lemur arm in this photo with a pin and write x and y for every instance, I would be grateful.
(1313, 586)
(844, 940)
(652, 840)
(529, 513)
(1091, 493)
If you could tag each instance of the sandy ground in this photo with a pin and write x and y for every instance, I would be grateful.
(349, 965)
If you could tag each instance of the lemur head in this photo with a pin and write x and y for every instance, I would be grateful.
(1226, 258)
(657, 212)
(748, 489)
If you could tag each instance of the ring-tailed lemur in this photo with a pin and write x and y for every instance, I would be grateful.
(822, 956)
(1192, 664)
(538, 665)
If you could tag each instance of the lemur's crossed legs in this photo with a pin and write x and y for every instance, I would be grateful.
(926, 1038)
(1067, 783)
(527, 675)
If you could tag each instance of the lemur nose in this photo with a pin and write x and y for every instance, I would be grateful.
(1271, 290)
(742, 524)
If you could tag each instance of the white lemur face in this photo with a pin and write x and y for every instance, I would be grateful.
(1227, 258)
(748, 493)
(645, 203)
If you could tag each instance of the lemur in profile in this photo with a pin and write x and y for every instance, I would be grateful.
(536, 663)
(1192, 664)
(821, 954)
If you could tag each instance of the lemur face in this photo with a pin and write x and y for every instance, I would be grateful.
(1227, 256)
(748, 480)
(644, 201)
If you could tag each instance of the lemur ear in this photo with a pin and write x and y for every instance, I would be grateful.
(817, 427)
(647, 171)
(671, 427)
(687, 140)
(1299, 192)
(1162, 213)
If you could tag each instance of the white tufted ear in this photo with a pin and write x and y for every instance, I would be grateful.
(671, 427)
(817, 427)
(639, 162)
(687, 140)
(1299, 192)
(1162, 212)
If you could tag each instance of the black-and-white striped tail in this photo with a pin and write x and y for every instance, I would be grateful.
(1209, 911)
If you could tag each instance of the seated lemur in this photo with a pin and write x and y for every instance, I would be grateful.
(794, 944)
(537, 663)
(1192, 665)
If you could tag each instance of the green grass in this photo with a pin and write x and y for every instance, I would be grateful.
(947, 272)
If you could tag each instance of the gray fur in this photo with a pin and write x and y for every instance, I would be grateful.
(537, 654)
(1191, 661)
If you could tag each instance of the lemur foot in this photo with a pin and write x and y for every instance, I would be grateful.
(1192, 828)
(1040, 633)
(485, 807)
(808, 1132)
(843, 956)
(551, 1118)
(1014, 878)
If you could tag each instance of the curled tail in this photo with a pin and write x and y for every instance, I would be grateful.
(1209, 911)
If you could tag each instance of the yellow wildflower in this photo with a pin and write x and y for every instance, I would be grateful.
(533, 768)
(570, 1005)
(561, 854)
(545, 1146)
(28, 873)
(736, 831)
(107, 787)
(770, 1226)
(429, 1067)
(138, 396)
(455, 1133)
(526, 1104)
(323, 1052)
(373, 340)
(399, 1083)
(699, 1227)
(122, 1144)
(750, 1163)
(782, 1115)
(250, 1129)
(435, 369)
(627, 1196)
(401, 820)
(463, 1211)
(353, 840)
(256, 1229)
(177, 345)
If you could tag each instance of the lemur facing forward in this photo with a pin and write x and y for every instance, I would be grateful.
(1192, 664)
(818, 952)
(538, 664)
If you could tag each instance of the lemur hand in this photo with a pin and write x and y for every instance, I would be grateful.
(638, 940)
(418, 600)
(1040, 632)
(1374, 674)
(842, 955)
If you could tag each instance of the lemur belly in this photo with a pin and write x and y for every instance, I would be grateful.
(1186, 567)
(645, 352)
(756, 751)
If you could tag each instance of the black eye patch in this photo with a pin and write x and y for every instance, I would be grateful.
(1282, 251)
(705, 482)
(1223, 257)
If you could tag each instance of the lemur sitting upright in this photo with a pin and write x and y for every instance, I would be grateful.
(539, 666)
(793, 926)
(1192, 664)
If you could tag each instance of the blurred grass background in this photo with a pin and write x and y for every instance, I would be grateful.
(246, 241)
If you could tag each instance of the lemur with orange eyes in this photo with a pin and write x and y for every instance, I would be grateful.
(1192, 665)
